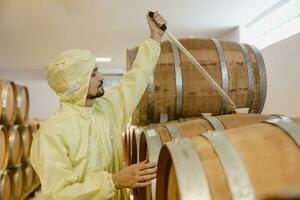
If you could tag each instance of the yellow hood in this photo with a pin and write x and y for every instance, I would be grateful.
(69, 75)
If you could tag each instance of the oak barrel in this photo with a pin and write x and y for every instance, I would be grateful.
(3, 148)
(134, 143)
(26, 137)
(251, 162)
(8, 102)
(134, 137)
(28, 177)
(17, 183)
(5, 185)
(15, 146)
(126, 137)
(179, 90)
(152, 140)
(22, 104)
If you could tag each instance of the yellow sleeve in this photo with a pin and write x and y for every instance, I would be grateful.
(120, 102)
(63, 180)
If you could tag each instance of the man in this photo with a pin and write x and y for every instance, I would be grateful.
(78, 152)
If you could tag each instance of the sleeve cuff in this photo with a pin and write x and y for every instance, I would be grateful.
(112, 184)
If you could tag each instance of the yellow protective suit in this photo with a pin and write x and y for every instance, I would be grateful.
(78, 149)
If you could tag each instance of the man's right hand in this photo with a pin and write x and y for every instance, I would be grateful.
(134, 176)
(154, 23)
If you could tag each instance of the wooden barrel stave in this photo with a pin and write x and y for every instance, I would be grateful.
(15, 146)
(26, 137)
(269, 154)
(203, 125)
(149, 149)
(3, 148)
(28, 177)
(8, 102)
(185, 93)
(5, 186)
(18, 183)
(22, 104)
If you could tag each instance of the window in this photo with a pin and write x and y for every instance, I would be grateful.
(280, 21)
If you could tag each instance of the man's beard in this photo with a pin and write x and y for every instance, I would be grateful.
(99, 94)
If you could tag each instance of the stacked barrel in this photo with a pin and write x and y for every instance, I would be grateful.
(203, 148)
(17, 177)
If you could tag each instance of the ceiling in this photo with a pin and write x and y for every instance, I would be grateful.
(33, 31)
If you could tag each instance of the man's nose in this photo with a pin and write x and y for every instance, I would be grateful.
(101, 77)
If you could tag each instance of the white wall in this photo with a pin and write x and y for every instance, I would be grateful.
(232, 35)
(283, 75)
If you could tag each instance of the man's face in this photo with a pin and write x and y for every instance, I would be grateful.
(96, 84)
